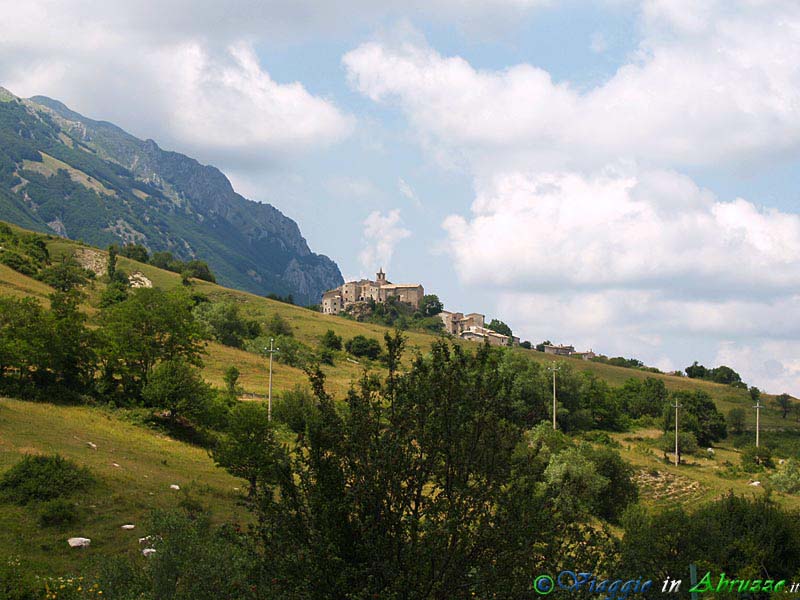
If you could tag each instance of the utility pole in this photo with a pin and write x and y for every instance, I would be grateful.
(758, 408)
(553, 368)
(272, 350)
(676, 406)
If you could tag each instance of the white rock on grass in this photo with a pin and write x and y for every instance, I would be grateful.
(174, 486)
(115, 465)
(79, 542)
(149, 551)
(755, 483)
(128, 526)
(91, 445)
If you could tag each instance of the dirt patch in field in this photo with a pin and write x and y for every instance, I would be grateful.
(662, 486)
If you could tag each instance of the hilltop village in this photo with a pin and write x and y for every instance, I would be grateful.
(470, 326)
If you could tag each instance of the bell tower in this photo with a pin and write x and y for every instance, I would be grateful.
(381, 281)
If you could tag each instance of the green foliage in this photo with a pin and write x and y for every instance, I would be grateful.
(278, 326)
(57, 513)
(787, 478)
(248, 447)
(40, 478)
(150, 326)
(17, 583)
(430, 305)
(331, 341)
(135, 252)
(224, 323)
(178, 387)
(721, 374)
(231, 379)
(757, 459)
(66, 274)
(194, 268)
(423, 482)
(738, 536)
(27, 332)
(362, 346)
(193, 561)
(295, 408)
(699, 415)
(499, 327)
(643, 397)
(736, 419)
(114, 293)
(784, 402)
(687, 443)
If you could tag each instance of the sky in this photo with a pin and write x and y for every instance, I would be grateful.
(621, 175)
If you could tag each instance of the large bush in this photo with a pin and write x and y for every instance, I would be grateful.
(41, 478)
(362, 346)
(787, 479)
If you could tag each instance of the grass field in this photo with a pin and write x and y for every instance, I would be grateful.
(150, 462)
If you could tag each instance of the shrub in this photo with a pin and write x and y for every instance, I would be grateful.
(42, 478)
(294, 408)
(58, 512)
(278, 326)
(757, 458)
(331, 341)
(364, 347)
(787, 479)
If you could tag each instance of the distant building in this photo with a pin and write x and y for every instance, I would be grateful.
(338, 299)
(481, 334)
(559, 350)
(455, 323)
(568, 351)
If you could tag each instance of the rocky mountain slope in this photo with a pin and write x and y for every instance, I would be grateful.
(63, 173)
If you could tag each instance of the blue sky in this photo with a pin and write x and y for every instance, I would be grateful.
(617, 174)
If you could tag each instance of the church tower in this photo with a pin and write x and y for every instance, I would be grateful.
(381, 281)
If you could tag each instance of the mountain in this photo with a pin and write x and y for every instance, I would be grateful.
(63, 173)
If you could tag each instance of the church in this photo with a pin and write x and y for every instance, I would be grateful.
(338, 299)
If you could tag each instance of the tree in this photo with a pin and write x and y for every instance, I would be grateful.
(421, 488)
(225, 323)
(362, 346)
(277, 325)
(687, 443)
(430, 305)
(135, 252)
(176, 386)
(696, 371)
(755, 394)
(150, 326)
(331, 341)
(785, 403)
(111, 267)
(787, 479)
(231, 379)
(248, 448)
(66, 274)
(724, 375)
(736, 419)
(499, 327)
(525, 344)
(698, 415)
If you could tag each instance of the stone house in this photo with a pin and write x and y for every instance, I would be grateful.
(338, 299)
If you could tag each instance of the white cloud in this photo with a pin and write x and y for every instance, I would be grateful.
(619, 231)
(381, 234)
(199, 87)
(773, 365)
(407, 191)
(728, 95)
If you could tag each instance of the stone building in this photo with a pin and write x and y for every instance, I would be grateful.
(338, 299)
(481, 334)
(455, 323)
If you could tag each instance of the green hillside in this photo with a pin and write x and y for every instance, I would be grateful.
(149, 461)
